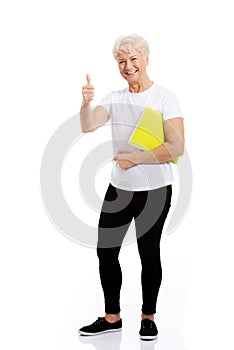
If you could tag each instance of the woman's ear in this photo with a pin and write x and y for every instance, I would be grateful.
(147, 60)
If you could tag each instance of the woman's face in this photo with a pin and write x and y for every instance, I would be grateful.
(132, 66)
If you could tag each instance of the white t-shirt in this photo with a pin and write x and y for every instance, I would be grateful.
(125, 110)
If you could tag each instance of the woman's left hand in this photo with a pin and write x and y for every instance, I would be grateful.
(126, 160)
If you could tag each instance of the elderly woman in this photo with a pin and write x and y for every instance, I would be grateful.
(141, 181)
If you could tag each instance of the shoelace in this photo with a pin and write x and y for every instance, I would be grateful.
(99, 320)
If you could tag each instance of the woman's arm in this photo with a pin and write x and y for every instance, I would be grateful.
(91, 119)
(173, 147)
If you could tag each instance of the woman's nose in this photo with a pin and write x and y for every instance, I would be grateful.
(128, 65)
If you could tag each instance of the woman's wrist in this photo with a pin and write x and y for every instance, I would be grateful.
(85, 105)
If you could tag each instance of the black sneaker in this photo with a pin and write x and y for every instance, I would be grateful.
(101, 325)
(148, 330)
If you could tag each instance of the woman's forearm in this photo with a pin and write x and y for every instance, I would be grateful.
(158, 155)
(161, 154)
(86, 117)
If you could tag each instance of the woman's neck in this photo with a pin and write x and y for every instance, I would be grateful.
(140, 86)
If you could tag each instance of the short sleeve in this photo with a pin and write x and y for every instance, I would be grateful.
(171, 107)
(106, 102)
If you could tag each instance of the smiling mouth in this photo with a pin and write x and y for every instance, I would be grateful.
(130, 73)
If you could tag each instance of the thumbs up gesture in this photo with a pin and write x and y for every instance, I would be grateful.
(88, 90)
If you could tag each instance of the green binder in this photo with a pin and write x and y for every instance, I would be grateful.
(149, 133)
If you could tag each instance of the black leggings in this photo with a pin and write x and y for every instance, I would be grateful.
(149, 210)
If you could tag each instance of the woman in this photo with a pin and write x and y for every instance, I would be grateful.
(141, 181)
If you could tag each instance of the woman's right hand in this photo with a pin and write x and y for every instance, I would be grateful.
(91, 118)
(88, 90)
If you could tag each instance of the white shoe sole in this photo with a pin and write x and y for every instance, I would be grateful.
(107, 331)
(149, 337)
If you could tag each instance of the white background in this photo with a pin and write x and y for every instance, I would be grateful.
(50, 285)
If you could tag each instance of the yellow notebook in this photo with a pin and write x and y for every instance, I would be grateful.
(149, 132)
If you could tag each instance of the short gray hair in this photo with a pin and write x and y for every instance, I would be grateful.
(131, 42)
